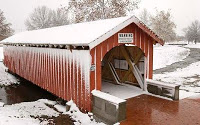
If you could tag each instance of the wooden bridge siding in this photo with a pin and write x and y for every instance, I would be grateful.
(141, 40)
(50, 69)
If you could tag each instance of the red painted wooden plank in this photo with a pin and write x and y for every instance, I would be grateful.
(150, 59)
(146, 45)
(83, 97)
(54, 73)
(64, 76)
(46, 69)
(69, 78)
(98, 67)
(79, 85)
(43, 68)
(58, 77)
(138, 37)
(104, 51)
(75, 80)
(142, 40)
(61, 76)
(92, 73)
(57, 74)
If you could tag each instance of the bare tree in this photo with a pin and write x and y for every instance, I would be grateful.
(39, 19)
(163, 25)
(60, 17)
(5, 29)
(145, 17)
(43, 17)
(90, 10)
(192, 32)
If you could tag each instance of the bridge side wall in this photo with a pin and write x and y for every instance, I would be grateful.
(62, 72)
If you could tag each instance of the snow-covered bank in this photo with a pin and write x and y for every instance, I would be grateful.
(25, 113)
(6, 78)
(188, 77)
(1, 53)
(168, 54)
(193, 45)
(79, 117)
(32, 113)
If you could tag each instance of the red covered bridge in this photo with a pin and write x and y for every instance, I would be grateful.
(70, 61)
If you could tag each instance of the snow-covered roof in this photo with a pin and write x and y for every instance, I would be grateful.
(84, 34)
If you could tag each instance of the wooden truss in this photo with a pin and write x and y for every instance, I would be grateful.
(132, 67)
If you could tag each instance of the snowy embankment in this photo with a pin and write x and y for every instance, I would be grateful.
(41, 113)
(168, 54)
(6, 78)
(193, 45)
(79, 117)
(1, 54)
(26, 113)
(188, 77)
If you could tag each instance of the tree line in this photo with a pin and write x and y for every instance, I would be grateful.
(162, 24)
(78, 11)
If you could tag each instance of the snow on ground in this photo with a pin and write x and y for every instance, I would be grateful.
(185, 94)
(168, 54)
(177, 42)
(193, 45)
(188, 77)
(26, 113)
(197, 96)
(1, 104)
(117, 90)
(6, 78)
(1, 53)
(79, 117)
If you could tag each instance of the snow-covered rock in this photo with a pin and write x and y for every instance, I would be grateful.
(1, 104)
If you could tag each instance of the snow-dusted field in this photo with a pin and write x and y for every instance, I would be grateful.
(25, 113)
(5, 78)
(188, 77)
(193, 45)
(32, 113)
(1, 53)
(168, 54)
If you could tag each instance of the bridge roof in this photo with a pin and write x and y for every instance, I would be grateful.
(86, 34)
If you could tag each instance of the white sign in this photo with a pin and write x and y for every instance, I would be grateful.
(121, 64)
(125, 37)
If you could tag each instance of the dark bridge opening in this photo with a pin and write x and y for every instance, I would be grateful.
(123, 69)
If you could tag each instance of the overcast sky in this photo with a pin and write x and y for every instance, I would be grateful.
(183, 11)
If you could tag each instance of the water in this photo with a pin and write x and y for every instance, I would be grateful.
(23, 92)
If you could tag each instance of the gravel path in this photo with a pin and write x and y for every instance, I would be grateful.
(193, 57)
